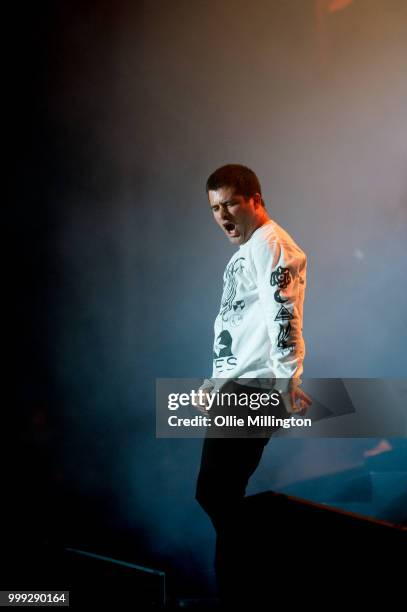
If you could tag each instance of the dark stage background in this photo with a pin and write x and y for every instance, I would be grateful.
(122, 110)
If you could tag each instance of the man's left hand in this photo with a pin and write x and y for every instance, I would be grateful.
(299, 400)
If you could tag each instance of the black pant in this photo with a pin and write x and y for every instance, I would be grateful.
(226, 466)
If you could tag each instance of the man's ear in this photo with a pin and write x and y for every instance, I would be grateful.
(257, 200)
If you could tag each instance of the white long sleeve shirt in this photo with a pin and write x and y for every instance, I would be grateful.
(258, 331)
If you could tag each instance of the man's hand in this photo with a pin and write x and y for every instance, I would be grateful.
(296, 400)
(200, 400)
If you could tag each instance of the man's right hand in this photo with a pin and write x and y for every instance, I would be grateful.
(200, 401)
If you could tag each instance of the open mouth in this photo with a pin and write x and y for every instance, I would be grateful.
(230, 228)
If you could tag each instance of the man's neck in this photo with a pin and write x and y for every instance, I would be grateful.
(264, 218)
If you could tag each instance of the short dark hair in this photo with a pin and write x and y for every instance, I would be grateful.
(241, 178)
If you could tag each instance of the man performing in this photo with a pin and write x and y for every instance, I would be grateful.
(258, 340)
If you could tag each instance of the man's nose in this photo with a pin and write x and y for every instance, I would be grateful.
(223, 212)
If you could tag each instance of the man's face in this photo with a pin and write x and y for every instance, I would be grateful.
(236, 215)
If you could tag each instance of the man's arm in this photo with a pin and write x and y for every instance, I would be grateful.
(281, 281)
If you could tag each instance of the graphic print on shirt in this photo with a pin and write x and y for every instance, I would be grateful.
(283, 336)
(278, 297)
(236, 318)
(280, 277)
(223, 357)
(229, 287)
(283, 315)
(223, 345)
